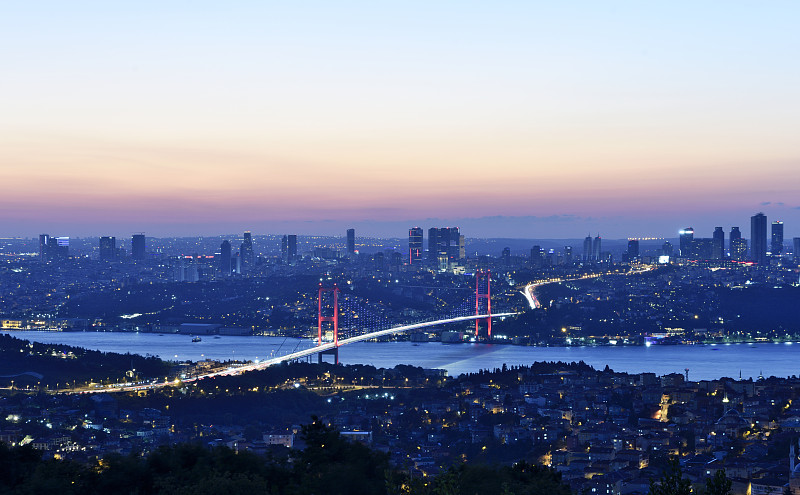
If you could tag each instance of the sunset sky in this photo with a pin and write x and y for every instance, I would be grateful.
(554, 119)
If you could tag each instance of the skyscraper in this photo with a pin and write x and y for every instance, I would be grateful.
(445, 247)
(351, 241)
(414, 245)
(686, 242)
(633, 249)
(758, 238)
(537, 256)
(667, 249)
(291, 248)
(246, 251)
(108, 248)
(796, 250)
(587, 248)
(225, 258)
(506, 256)
(718, 247)
(137, 247)
(738, 245)
(44, 241)
(777, 238)
(597, 248)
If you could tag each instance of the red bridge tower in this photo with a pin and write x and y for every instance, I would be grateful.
(479, 294)
(333, 319)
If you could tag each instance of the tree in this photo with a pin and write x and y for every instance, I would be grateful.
(719, 484)
(671, 482)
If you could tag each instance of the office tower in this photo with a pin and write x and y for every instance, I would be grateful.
(291, 248)
(53, 248)
(537, 256)
(758, 238)
(225, 258)
(433, 246)
(796, 250)
(633, 249)
(777, 238)
(667, 249)
(108, 248)
(284, 248)
(137, 246)
(703, 248)
(351, 241)
(738, 245)
(506, 256)
(246, 251)
(568, 254)
(718, 248)
(587, 248)
(446, 247)
(44, 241)
(686, 242)
(414, 245)
(596, 249)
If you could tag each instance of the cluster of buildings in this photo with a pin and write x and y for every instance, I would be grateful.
(605, 432)
(761, 250)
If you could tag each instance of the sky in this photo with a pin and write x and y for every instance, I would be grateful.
(519, 119)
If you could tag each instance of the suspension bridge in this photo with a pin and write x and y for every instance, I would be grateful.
(344, 319)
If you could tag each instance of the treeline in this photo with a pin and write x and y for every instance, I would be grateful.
(60, 364)
(507, 375)
(329, 464)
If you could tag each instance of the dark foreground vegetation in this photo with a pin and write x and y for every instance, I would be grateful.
(328, 464)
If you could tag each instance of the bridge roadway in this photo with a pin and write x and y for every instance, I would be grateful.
(238, 370)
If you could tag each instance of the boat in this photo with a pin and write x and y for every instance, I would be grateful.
(216, 336)
(197, 339)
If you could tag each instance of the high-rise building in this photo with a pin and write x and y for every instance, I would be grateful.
(738, 245)
(351, 241)
(291, 247)
(44, 241)
(568, 255)
(433, 246)
(225, 258)
(796, 249)
(777, 238)
(633, 249)
(718, 244)
(686, 242)
(506, 256)
(597, 249)
(758, 238)
(446, 247)
(108, 248)
(667, 249)
(537, 256)
(414, 245)
(53, 248)
(703, 248)
(587, 248)
(137, 247)
(246, 251)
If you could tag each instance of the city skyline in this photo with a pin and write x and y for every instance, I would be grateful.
(546, 120)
